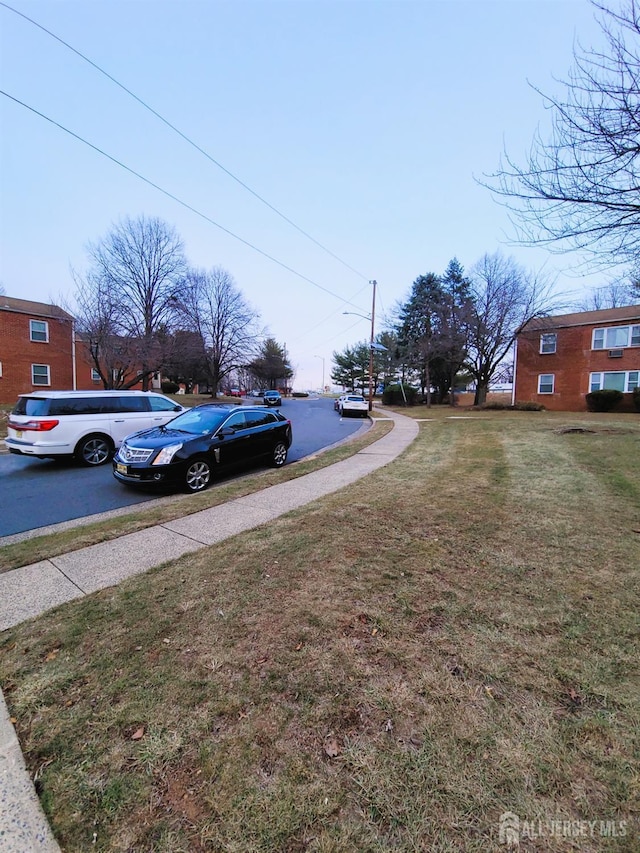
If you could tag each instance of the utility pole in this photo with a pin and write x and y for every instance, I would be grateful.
(373, 323)
(321, 357)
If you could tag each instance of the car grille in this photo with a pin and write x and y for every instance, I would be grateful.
(134, 454)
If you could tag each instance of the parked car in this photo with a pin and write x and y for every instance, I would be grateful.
(86, 424)
(234, 392)
(272, 398)
(353, 404)
(188, 451)
(337, 402)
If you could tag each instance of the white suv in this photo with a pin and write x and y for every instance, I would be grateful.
(86, 424)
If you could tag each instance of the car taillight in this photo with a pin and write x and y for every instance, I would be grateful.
(37, 426)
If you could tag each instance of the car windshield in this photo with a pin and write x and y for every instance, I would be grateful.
(354, 399)
(199, 421)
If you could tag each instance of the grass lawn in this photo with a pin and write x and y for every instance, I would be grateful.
(390, 668)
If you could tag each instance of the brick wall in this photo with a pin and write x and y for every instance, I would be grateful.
(18, 352)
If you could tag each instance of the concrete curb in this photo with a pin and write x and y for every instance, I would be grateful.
(23, 825)
(31, 590)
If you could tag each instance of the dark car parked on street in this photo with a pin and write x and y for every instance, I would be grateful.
(188, 450)
(272, 398)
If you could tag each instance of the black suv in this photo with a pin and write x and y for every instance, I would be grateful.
(186, 451)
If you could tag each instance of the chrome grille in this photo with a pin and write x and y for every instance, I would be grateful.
(134, 454)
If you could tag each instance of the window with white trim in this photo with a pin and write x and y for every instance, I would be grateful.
(616, 380)
(40, 374)
(546, 382)
(616, 337)
(95, 376)
(548, 343)
(39, 331)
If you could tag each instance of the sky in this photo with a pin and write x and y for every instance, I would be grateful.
(366, 124)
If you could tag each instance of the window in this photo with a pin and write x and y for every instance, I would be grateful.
(162, 404)
(128, 404)
(40, 374)
(548, 343)
(616, 337)
(39, 331)
(95, 376)
(617, 380)
(255, 419)
(236, 421)
(545, 383)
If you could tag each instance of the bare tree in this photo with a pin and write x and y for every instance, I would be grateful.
(504, 298)
(227, 325)
(615, 294)
(130, 294)
(581, 188)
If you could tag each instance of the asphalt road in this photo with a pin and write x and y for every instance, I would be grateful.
(37, 493)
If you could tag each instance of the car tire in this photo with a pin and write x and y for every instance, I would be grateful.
(279, 455)
(197, 476)
(94, 450)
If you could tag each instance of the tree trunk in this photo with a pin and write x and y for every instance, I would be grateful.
(481, 393)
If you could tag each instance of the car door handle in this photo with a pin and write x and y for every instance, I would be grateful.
(118, 420)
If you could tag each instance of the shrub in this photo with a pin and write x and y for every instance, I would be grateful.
(169, 387)
(636, 399)
(603, 401)
(393, 396)
(517, 407)
(529, 407)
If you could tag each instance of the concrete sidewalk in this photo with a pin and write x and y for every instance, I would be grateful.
(31, 590)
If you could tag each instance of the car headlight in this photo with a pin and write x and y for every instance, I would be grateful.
(166, 454)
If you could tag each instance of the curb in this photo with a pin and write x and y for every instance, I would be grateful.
(23, 825)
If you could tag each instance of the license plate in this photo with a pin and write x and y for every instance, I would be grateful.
(120, 468)
(18, 433)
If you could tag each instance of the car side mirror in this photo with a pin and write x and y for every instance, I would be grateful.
(177, 408)
(225, 431)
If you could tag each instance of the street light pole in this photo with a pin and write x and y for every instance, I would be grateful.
(373, 323)
(372, 344)
(322, 357)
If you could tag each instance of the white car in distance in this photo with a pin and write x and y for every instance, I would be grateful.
(353, 404)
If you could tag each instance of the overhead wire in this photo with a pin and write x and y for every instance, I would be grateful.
(178, 200)
(184, 137)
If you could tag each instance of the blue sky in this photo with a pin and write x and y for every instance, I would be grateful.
(365, 123)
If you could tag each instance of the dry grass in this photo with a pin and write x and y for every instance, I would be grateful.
(390, 668)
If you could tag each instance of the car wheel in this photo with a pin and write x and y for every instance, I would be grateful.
(94, 450)
(197, 476)
(279, 456)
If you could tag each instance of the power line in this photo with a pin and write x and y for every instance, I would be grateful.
(185, 137)
(178, 200)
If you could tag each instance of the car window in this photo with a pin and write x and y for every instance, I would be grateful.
(237, 421)
(77, 406)
(199, 421)
(31, 406)
(255, 419)
(162, 404)
(131, 404)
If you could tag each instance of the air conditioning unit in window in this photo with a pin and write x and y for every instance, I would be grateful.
(615, 353)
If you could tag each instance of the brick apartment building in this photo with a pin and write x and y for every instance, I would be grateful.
(36, 347)
(39, 350)
(559, 360)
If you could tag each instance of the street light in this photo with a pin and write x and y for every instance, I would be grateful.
(371, 342)
(322, 357)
